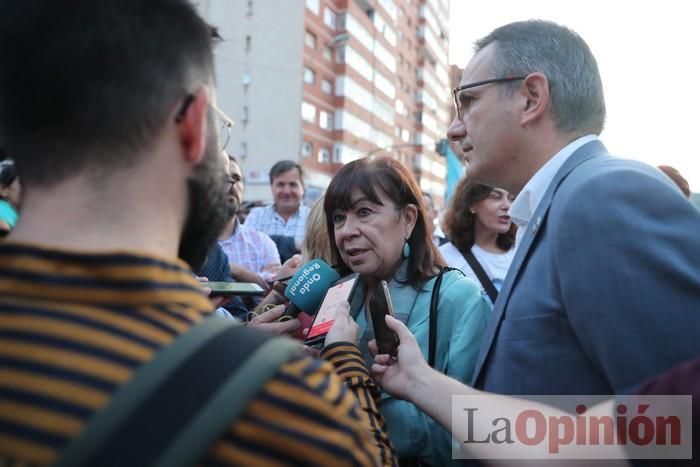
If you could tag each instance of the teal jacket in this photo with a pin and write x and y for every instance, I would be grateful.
(462, 315)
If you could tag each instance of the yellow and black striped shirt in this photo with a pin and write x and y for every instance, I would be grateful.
(73, 327)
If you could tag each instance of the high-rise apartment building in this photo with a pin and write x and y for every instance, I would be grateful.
(325, 82)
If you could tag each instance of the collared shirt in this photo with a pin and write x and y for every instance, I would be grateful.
(525, 204)
(74, 327)
(250, 249)
(268, 220)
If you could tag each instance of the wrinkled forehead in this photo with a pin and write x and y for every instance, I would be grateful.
(479, 67)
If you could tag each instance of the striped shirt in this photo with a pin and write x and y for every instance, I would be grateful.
(74, 327)
(267, 219)
(250, 249)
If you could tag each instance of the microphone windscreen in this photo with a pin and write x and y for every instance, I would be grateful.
(308, 286)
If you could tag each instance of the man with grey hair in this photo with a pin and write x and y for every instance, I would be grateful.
(604, 288)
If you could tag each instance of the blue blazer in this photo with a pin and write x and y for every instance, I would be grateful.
(604, 290)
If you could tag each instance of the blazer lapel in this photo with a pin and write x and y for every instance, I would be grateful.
(587, 151)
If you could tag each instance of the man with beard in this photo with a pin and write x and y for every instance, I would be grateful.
(252, 255)
(216, 266)
(112, 127)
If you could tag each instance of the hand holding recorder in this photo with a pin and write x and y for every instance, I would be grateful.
(344, 328)
(397, 374)
(337, 298)
(379, 307)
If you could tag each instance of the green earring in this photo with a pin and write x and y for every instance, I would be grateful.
(406, 249)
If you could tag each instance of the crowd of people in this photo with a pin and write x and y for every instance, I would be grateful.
(552, 272)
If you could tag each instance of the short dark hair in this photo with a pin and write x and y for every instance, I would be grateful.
(395, 181)
(459, 220)
(283, 166)
(87, 85)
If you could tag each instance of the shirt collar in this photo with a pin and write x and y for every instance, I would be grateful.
(529, 198)
(296, 213)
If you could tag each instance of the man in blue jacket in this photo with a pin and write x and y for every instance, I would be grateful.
(604, 290)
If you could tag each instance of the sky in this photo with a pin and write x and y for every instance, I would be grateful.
(648, 56)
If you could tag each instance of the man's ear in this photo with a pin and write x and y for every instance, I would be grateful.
(535, 93)
(193, 127)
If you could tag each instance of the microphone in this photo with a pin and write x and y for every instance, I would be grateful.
(306, 289)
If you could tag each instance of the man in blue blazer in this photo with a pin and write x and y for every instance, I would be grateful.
(604, 289)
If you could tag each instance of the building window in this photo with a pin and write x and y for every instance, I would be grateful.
(306, 149)
(248, 41)
(245, 79)
(249, 11)
(308, 112)
(309, 75)
(324, 156)
(340, 55)
(312, 5)
(310, 39)
(327, 86)
(337, 155)
(325, 120)
(328, 53)
(330, 18)
(244, 114)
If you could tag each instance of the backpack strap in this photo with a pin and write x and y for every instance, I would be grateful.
(180, 402)
(434, 302)
(481, 274)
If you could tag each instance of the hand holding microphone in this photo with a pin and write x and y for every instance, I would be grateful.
(270, 321)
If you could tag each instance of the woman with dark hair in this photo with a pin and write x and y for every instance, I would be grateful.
(481, 233)
(377, 225)
(678, 179)
(10, 192)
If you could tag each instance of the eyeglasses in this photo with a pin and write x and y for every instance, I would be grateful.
(232, 180)
(456, 91)
(225, 123)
